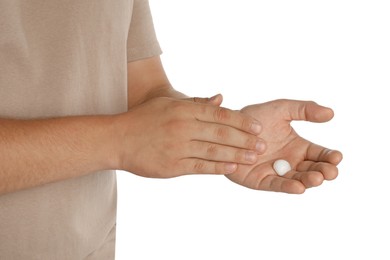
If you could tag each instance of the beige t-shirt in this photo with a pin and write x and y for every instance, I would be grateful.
(63, 58)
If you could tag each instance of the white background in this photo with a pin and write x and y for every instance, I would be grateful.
(336, 53)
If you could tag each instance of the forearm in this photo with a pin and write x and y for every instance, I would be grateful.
(36, 152)
(158, 91)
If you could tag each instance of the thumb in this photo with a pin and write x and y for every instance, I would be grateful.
(308, 111)
(215, 100)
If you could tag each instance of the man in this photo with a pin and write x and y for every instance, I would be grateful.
(83, 92)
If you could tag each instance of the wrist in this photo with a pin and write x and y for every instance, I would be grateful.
(120, 136)
(165, 91)
(111, 142)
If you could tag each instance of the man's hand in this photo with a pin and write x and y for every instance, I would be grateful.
(311, 164)
(166, 137)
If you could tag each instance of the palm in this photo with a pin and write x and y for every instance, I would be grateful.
(311, 163)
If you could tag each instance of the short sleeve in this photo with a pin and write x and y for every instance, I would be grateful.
(142, 41)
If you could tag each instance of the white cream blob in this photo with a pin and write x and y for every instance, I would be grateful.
(281, 167)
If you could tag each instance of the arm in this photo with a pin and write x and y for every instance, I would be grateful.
(36, 152)
(179, 137)
(190, 143)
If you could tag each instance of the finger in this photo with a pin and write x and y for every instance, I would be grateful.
(200, 166)
(309, 179)
(228, 117)
(318, 153)
(215, 100)
(328, 171)
(215, 152)
(264, 178)
(281, 184)
(306, 110)
(228, 136)
(292, 182)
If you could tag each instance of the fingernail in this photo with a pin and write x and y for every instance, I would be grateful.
(230, 167)
(250, 156)
(256, 128)
(260, 146)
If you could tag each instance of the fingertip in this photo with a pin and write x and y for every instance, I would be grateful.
(329, 113)
(230, 168)
(294, 187)
(331, 175)
(300, 190)
(216, 100)
(335, 157)
(307, 110)
(314, 179)
(256, 127)
(261, 147)
(321, 114)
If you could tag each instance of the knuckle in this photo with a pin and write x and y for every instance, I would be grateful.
(199, 166)
(239, 156)
(322, 155)
(278, 104)
(175, 125)
(274, 185)
(222, 133)
(178, 107)
(221, 114)
(251, 143)
(212, 150)
(302, 111)
(219, 168)
(246, 124)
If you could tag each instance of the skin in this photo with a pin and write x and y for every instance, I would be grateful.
(180, 135)
(192, 141)
(40, 151)
(311, 163)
